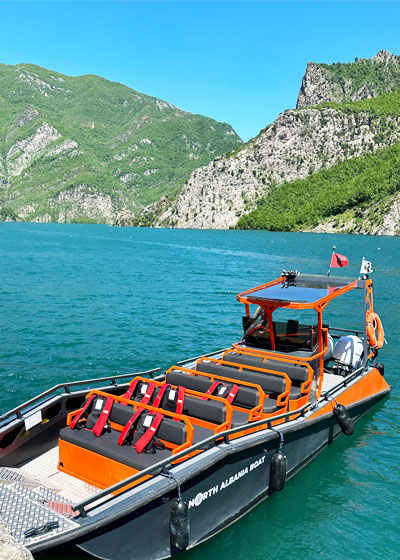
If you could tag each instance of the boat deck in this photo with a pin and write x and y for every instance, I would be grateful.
(37, 494)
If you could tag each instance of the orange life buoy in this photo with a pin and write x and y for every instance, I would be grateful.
(375, 332)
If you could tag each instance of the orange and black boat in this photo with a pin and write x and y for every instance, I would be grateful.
(147, 465)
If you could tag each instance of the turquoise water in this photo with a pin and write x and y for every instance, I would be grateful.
(83, 300)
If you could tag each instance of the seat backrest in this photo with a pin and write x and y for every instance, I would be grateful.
(246, 397)
(169, 430)
(294, 372)
(196, 407)
(270, 383)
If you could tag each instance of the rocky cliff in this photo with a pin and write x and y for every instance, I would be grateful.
(83, 148)
(364, 78)
(299, 143)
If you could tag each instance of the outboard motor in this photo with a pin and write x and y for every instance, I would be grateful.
(348, 353)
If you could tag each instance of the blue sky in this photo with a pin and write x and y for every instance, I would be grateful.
(238, 62)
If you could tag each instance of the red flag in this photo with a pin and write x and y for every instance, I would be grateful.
(338, 261)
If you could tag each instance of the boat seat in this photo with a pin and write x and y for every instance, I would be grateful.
(294, 372)
(295, 393)
(270, 383)
(107, 446)
(247, 397)
(210, 411)
(270, 406)
(239, 418)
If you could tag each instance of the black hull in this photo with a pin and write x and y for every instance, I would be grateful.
(227, 482)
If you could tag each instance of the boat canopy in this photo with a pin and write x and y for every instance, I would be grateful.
(299, 291)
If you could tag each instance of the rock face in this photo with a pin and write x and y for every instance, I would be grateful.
(298, 143)
(125, 218)
(318, 87)
(362, 79)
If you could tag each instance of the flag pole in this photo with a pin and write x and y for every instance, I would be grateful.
(329, 271)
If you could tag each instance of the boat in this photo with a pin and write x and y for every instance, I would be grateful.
(149, 464)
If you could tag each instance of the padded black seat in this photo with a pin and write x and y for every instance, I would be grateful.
(270, 383)
(247, 397)
(107, 445)
(293, 371)
(295, 393)
(270, 406)
(239, 418)
(210, 411)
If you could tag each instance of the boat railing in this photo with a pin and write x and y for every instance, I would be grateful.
(357, 332)
(157, 468)
(27, 406)
(188, 360)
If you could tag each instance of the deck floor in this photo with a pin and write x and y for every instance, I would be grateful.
(37, 493)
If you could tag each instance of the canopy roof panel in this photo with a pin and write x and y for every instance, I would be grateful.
(305, 290)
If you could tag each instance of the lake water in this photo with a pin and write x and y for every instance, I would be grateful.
(80, 301)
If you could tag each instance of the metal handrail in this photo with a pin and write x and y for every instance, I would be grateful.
(181, 363)
(66, 387)
(357, 331)
(157, 467)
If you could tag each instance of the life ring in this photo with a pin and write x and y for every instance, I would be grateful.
(375, 332)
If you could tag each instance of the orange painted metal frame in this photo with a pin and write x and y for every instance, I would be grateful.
(264, 302)
(305, 387)
(283, 398)
(216, 428)
(254, 413)
(136, 405)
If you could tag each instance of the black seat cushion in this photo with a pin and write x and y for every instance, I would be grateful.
(268, 382)
(293, 371)
(107, 445)
(246, 397)
(270, 406)
(239, 418)
(196, 407)
(295, 393)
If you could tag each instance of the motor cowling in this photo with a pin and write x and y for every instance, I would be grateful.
(348, 351)
(179, 525)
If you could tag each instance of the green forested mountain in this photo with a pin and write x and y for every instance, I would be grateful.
(331, 164)
(343, 194)
(81, 148)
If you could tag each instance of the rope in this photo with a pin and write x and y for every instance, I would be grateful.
(281, 441)
(171, 476)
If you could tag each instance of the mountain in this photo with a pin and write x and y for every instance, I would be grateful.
(366, 77)
(84, 148)
(313, 168)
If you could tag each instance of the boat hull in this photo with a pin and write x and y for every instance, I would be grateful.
(217, 494)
